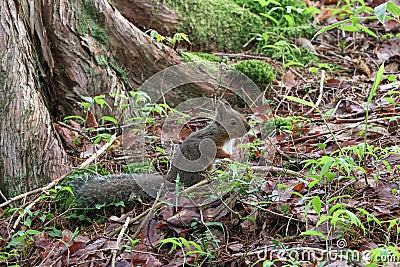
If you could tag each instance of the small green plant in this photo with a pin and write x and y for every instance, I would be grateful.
(280, 13)
(171, 41)
(132, 244)
(187, 247)
(351, 13)
(208, 240)
(290, 54)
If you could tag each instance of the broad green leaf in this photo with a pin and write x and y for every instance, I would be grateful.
(289, 19)
(393, 8)
(335, 207)
(317, 204)
(108, 118)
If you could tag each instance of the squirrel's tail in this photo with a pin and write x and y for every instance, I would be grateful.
(90, 190)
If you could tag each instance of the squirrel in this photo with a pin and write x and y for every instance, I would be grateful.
(190, 163)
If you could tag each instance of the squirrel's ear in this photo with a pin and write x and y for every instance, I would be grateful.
(221, 111)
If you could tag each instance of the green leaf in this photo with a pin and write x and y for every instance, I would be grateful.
(28, 222)
(336, 207)
(88, 99)
(377, 81)
(289, 19)
(380, 12)
(313, 183)
(314, 233)
(108, 118)
(85, 105)
(323, 219)
(393, 8)
(269, 17)
(317, 204)
(328, 164)
(68, 189)
(349, 28)
(332, 26)
(365, 29)
(265, 36)
(293, 63)
(32, 232)
(300, 101)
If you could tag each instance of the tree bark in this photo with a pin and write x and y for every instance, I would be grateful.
(149, 14)
(77, 70)
(53, 53)
(30, 152)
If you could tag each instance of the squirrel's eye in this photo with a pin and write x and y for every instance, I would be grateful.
(233, 122)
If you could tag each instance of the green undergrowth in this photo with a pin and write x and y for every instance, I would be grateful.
(274, 11)
(286, 52)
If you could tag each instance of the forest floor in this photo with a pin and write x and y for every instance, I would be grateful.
(332, 197)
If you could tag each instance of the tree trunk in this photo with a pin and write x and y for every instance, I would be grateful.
(53, 53)
(31, 154)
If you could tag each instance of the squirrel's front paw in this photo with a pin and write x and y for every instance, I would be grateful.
(221, 154)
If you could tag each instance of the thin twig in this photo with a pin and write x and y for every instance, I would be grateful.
(241, 55)
(321, 92)
(117, 245)
(146, 219)
(28, 208)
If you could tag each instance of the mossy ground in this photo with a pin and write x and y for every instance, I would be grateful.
(227, 26)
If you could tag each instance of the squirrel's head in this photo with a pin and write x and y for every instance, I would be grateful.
(233, 122)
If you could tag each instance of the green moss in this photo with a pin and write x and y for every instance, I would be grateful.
(198, 56)
(90, 22)
(216, 24)
(120, 70)
(260, 72)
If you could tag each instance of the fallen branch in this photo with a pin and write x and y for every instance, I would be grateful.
(275, 169)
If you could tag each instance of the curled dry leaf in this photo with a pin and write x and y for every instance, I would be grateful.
(67, 135)
(91, 121)
(306, 44)
(288, 79)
